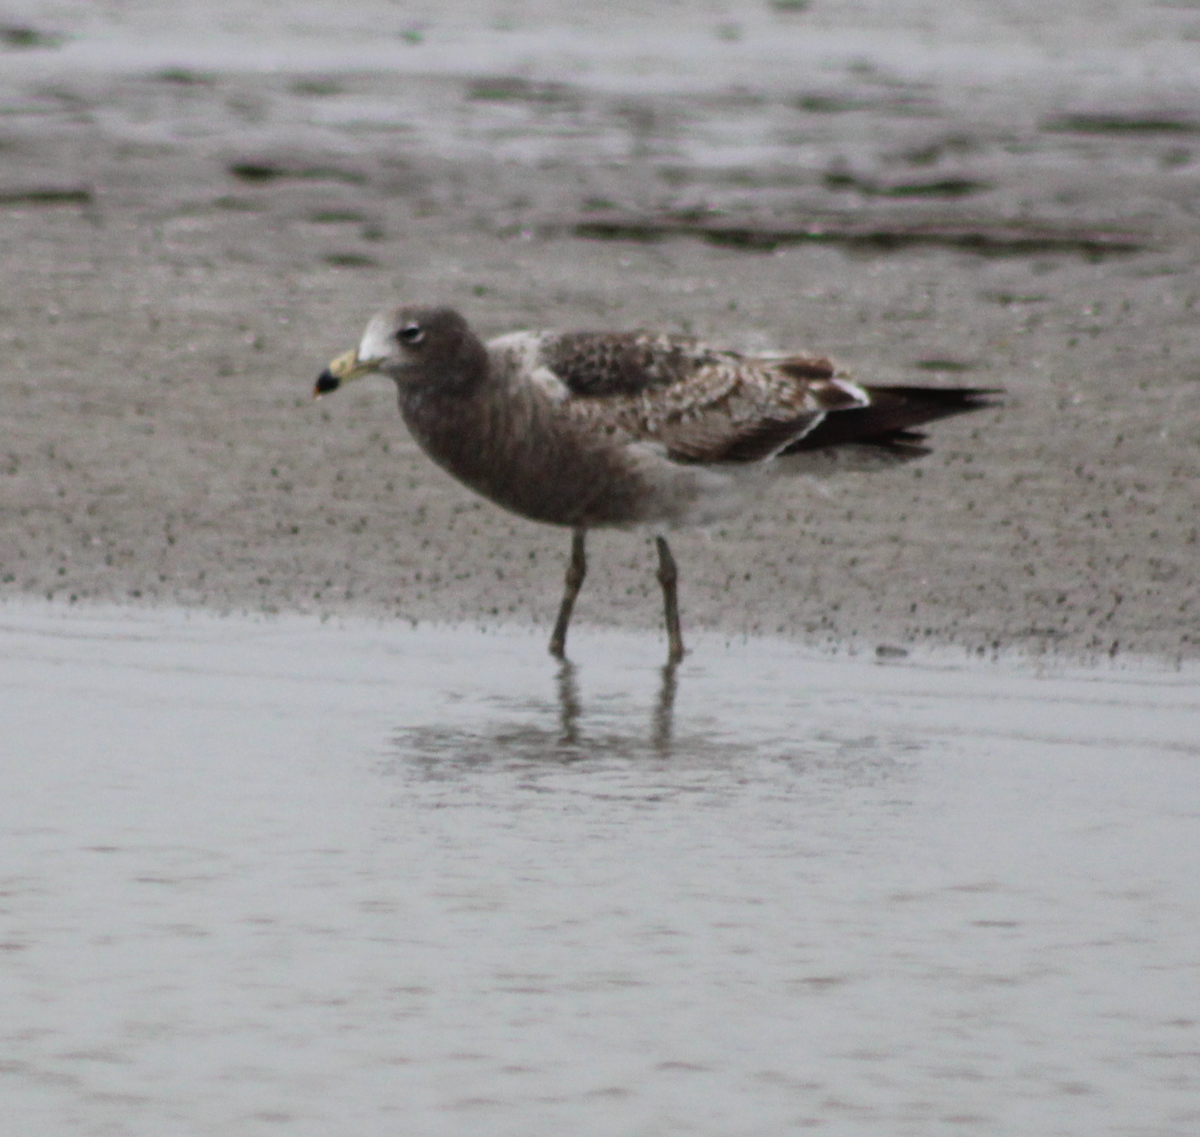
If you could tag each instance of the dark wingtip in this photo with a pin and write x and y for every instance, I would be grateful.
(327, 381)
(888, 420)
(929, 403)
(979, 398)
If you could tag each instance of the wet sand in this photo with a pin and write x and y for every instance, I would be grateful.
(193, 228)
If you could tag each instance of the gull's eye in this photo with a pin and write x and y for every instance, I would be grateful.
(410, 334)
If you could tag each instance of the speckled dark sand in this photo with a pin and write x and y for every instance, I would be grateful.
(186, 246)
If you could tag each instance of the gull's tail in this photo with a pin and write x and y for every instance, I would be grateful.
(889, 418)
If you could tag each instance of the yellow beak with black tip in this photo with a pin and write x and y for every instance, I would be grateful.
(341, 371)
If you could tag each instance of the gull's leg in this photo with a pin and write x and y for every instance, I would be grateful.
(576, 571)
(667, 577)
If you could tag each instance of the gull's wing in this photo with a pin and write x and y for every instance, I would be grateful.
(703, 405)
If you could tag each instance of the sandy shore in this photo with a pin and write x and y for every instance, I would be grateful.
(185, 247)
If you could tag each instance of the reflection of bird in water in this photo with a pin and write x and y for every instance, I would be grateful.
(570, 708)
(663, 723)
(631, 429)
(523, 737)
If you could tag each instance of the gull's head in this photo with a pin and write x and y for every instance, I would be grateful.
(404, 345)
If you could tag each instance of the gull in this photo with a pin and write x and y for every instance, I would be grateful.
(630, 430)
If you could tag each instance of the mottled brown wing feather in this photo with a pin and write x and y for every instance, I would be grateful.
(702, 405)
(807, 367)
(605, 364)
(714, 438)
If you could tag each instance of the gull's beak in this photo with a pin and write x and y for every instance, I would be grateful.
(342, 370)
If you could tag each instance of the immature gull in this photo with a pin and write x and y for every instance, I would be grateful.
(629, 429)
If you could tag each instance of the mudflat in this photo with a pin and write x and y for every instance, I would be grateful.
(197, 218)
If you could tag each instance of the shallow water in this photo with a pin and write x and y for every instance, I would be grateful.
(278, 875)
(624, 45)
